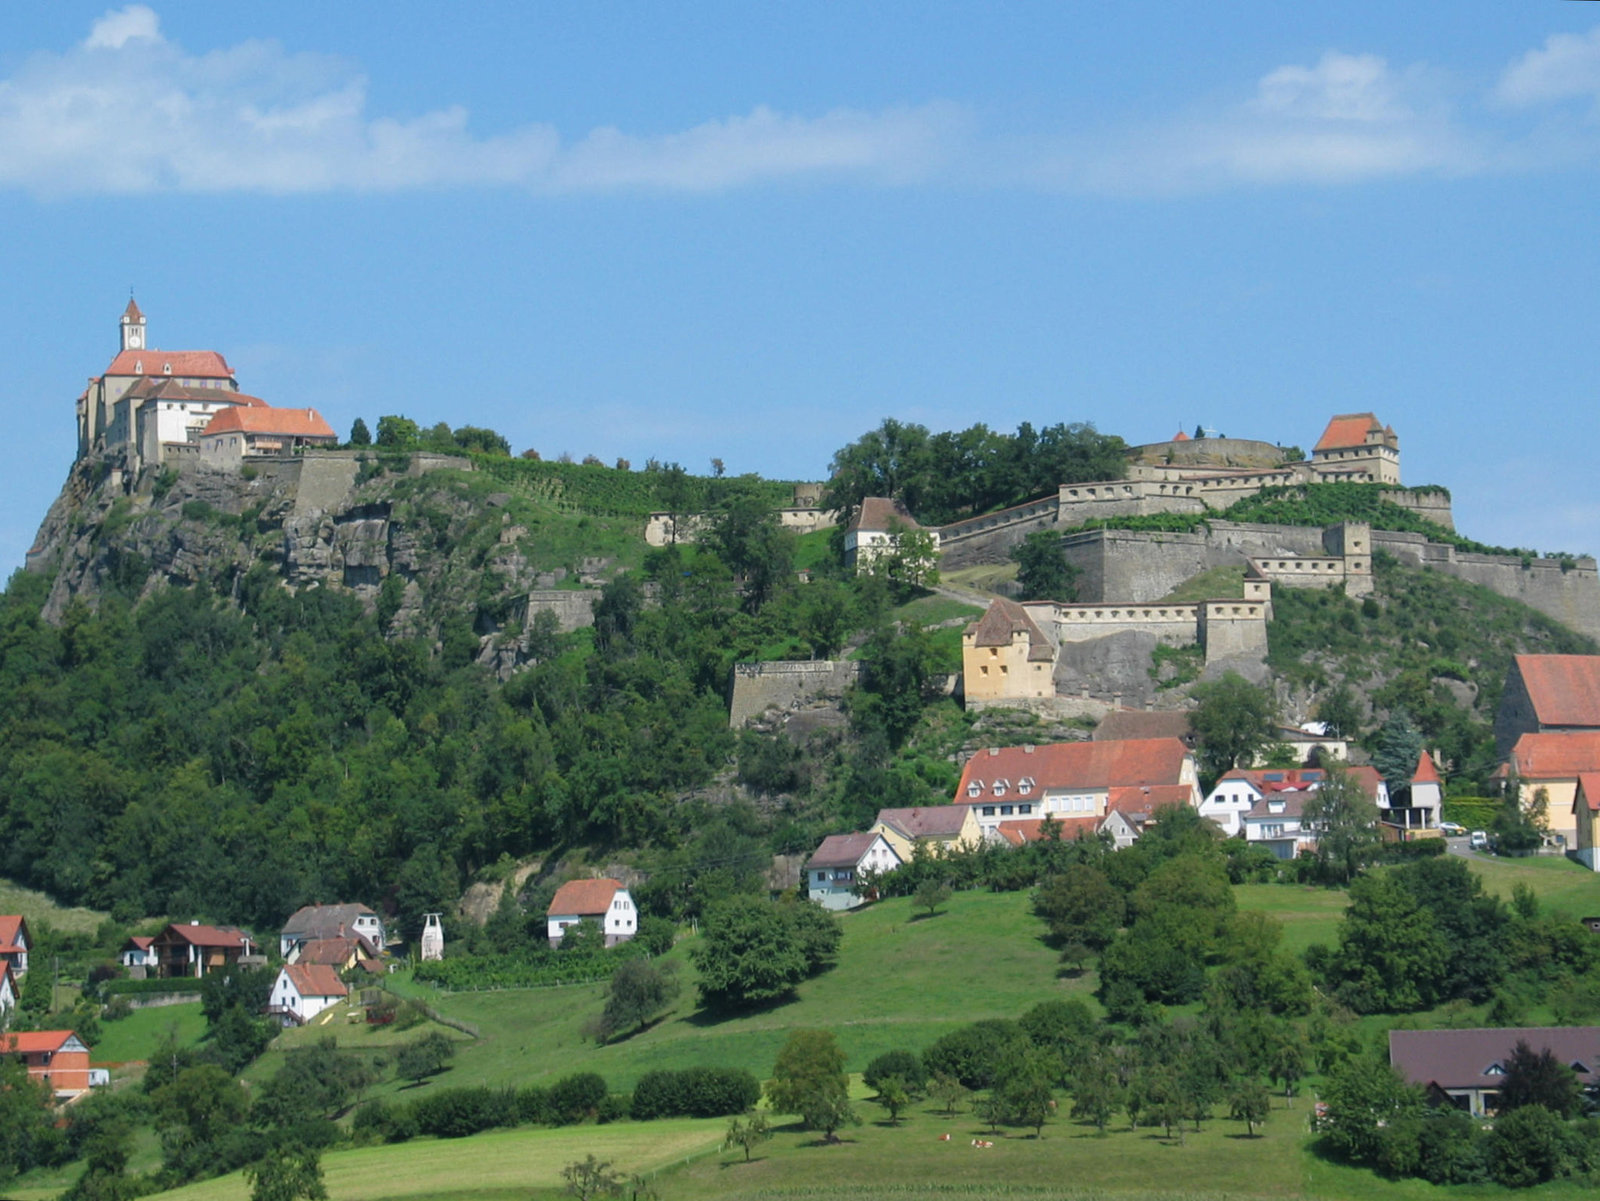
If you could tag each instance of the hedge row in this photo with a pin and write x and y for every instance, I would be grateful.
(694, 1093)
(144, 987)
(459, 1112)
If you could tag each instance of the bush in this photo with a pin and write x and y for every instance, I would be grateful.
(974, 1053)
(459, 1112)
(533, 1105)
(575, 1098)
(907, 1065)
(613, 1109)
(700, 1092)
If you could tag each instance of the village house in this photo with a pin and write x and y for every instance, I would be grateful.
(8, 992)
(1551, 764)
(57, 1058)
(1586, 821)
(946, 827)
(312, 922)
(341, 954)
(1414, 809)
(602, 901)
(1465, 1068)
(14, 943)
(834, 871)
(194, 949)
(875, 531)
(138, 955)
(303, 990)
(1068, 780)
(1548, 694)
(1128, 812)
(1267, 805)
(1005, 655)
(240, 432)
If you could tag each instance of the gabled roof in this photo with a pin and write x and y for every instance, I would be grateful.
(843, 850)
(927, 821)
(298, 423)
(203, 936)
(1002, 621)
(138, 942)
(1347, 431)
(1463, 1058)
(161, 387)
(334, 952)
(1077, 765)
(34, 1042)
(1564, 689)
(190, 364)
(1268, 780)
(315, 980)
(1279, 804)
(1588, 793)
(12, 929)
(1133, 800)
(879, 513)
(1556, 756)
(1122, 724)
(1031, 829)
(324, 921)
(586, 898)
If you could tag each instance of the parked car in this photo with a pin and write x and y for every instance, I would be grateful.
(1479, 840)
(1452, 829)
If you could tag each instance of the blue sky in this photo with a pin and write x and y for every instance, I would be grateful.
(752, 232)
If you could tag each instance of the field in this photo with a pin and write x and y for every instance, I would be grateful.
(136, 1036)
(38, 908)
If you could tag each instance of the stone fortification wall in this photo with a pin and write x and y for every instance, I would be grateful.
(326, 483)
(758, 687)
(1136, 568)
(1435, 506)
(573, 607)
(658, 526)
(1173, 625)
(1570, 596)
(1211, 452)
(1234, 629)
(989, 538)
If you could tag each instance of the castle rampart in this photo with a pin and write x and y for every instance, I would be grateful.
(758, 687)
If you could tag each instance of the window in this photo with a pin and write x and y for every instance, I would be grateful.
(974, 789)
(1005, 810)
(988, 810)
(1024, 808)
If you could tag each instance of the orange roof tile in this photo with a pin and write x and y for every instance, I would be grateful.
(1081, 765)
(11, 927)
(1348, 430)
(1588, 794)
(315, 980)
(297, 423)
(1426, 772)
(584, 897)
(1556, 756)
(190, 364)
(204, 936)
(1145, 798)
(32, 1042)
(1564, 689)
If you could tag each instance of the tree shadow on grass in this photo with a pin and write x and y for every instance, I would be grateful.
(703, 1016)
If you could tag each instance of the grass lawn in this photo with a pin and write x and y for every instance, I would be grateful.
(934, 610)
(37, 907)
(901, 981)
(1309, 913)
(136, 1036)
(499, 1164)
(1563, 887)
(1217, 584)
(981, 578)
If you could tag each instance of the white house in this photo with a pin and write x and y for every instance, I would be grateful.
(138, 952)
(8, 991)
(303, 990)
(1266, 805)
(603, 901)
(14, 943)
(834, 869)
(314, 922)
(875, 531)
(1423, 797)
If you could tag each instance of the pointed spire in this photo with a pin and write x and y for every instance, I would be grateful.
(132, 313)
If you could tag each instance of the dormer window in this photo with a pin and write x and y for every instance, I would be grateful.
(1495, 1069)
(1025, 785)
(975, 789)
(1000, 787)
(1577, 1066)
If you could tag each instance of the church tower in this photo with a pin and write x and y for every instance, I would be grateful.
(133, 327)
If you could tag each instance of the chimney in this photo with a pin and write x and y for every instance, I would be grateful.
(1027, 748)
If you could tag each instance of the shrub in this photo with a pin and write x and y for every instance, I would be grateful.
(907, 1065)
(533, 1105)
(459, 1112)
(576, 1097)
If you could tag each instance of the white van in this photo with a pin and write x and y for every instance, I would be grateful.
(1478, 840)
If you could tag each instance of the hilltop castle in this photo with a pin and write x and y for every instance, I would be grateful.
(155, 406)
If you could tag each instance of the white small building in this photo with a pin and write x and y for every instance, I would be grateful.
(303, 990)
(8, 992)
(833, 873)
(138, 954)
(875, 531)
(602, 901)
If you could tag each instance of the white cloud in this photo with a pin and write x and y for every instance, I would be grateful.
(117, 29)
(1567, 66)
(129, 111)
(1341, 87)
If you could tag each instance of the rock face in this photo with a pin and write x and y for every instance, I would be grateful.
(424, 548)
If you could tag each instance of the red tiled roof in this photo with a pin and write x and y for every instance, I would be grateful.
(138, 942)
(1146, 798)
(1032, 829)
(32, 1042)
(298, 423)
(1426, 772)
(1461, 1058)
(1180, 436)
(1267, 780)
(1132, 762)
(335, 952)
(1556, 756)
(1369, 777)
(1588, 793)
(204, 936)
(584, 897)
(1348, 430)
(1002, 620)
(878, 512)
(927, 821)
(315, 980)
(1564, 689)
(11, 927)
(132, 312)
(189, 364)
(841, 850)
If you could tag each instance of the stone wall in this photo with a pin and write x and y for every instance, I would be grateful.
(758, 687)
(989, 538)
(658, 526)
(574, 608)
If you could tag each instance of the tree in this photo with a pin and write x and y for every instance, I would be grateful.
(1095, 1091)
(1337, 711)
(930, 895)
(910, 563)
(894, 1094)
(360, 435)
(808, 1079)
(1233, 721)
(907, 1065)
(1346, 823)
(26, 1116)
(639, 990)
(1363, 1096)
(201, 1104)
(481, 441)
(1248, 1103)
(424, 1057)
(588, 1178)
(290, 1172)
(398, 433)
(1042, 570)
(948, 1091)
(747, 1133)
(1398, 749)
(1392, 957)
(1539, 1078)
(1080, 904)
(1024, 1092)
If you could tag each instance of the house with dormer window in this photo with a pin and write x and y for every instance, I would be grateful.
(1071, 781)
(1466, 1068)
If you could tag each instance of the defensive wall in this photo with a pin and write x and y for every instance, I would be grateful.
(758, 687)
(573, 607)
(1225, 629)
(658, 526)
